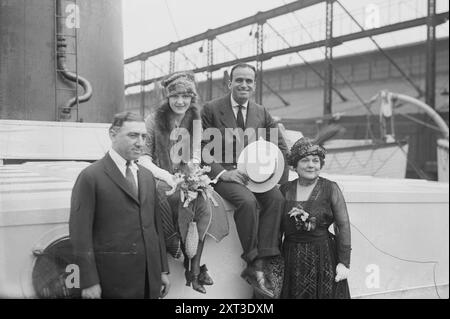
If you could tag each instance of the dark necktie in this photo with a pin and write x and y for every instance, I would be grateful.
(130, 179)
(240, 118)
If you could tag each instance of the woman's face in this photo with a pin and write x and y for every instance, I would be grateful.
(179, 103)
(308, 167)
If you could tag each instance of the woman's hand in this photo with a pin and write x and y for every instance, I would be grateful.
(342, 272)
(172, 181)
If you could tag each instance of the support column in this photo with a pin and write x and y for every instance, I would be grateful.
(172, 62)
(430, 85)
(259, 62)
(142, 108)
(427, 138)
(210, 61)
(328, 79)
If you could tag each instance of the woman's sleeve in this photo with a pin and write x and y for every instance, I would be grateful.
(148, 155)
(342, 222)
(197, 144)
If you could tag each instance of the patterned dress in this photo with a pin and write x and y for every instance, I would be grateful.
(310, 257)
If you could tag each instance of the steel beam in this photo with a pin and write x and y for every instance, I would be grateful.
(259, 62)
(210, 61)
(212, 33)
(439, 18)
(172, 62)
(430, 78)
(328, 83)
(143, 88)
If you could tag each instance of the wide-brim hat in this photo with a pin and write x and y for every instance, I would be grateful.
(263, 162)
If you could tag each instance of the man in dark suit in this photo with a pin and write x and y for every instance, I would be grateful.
(257, 215)
(115, 225)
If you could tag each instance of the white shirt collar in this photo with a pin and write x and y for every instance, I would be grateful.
(120, 161)
(235, 104)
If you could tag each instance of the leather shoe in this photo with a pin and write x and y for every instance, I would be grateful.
(192, 278)
(257, 282)
(204, 278)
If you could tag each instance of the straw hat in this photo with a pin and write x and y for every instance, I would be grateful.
(263, 162)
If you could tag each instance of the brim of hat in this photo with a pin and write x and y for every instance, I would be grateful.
(273, 180)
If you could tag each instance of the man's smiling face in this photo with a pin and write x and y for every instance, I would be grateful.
(242, 84)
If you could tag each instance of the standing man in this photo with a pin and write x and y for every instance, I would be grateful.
(115, 224)
(257, 215)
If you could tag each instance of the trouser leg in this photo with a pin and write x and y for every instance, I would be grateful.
(271, 204)
(246, 216)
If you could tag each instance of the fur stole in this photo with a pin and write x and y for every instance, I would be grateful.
(162, 130)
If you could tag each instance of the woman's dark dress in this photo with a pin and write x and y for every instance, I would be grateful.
(310, 257)
(210, 220)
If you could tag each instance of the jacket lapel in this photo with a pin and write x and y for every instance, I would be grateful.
(252, 119)
(226, 113)
(113, 172)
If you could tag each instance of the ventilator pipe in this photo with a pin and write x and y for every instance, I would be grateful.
(425, 107)
(61, 65)
(87, 87)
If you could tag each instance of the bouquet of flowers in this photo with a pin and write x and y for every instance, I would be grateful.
(302, 219)
(192, 181)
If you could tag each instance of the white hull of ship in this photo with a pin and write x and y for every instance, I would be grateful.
(397, 250)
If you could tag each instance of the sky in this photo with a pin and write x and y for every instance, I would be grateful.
(150, 24)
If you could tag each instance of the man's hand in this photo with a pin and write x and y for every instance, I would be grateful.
(235, 176)
(93, 292)
(341, 272)
(165, 285)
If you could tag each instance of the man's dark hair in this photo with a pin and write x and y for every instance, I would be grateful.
(241, 65)
(123, 117)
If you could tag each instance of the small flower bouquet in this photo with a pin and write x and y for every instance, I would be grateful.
(302, 219)
(192, 180)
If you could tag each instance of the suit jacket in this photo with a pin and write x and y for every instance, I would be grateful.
(116, 236)
(219, 114)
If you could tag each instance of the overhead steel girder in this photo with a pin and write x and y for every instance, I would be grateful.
(439, 18)
(212, 33)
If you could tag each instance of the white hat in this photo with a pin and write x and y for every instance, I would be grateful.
(263, 162)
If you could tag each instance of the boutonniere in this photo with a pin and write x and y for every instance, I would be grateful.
(302, 219)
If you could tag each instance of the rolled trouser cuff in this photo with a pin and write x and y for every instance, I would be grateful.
(261, 253)
(250, 256)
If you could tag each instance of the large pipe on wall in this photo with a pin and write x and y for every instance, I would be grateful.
(30, 86)
(62, 68)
